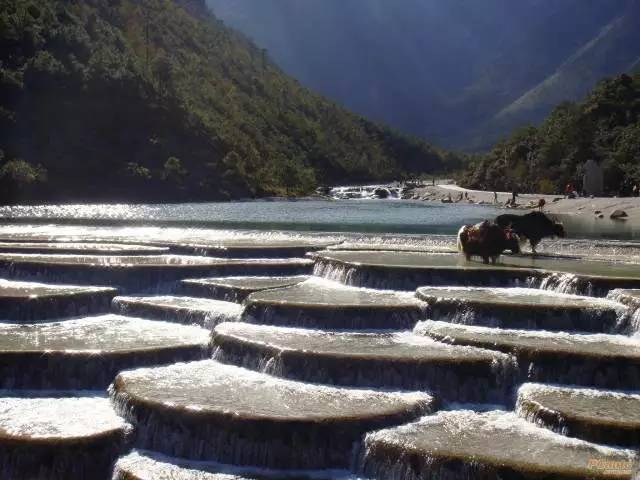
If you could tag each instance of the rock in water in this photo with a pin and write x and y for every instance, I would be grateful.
(618, 215)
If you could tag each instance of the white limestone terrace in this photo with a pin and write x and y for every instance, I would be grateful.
(408, 270)
(140, 272)
(141, 260)
(209, 411)
(594, 360)
(186, 310)
(33, 301)
(236, 289)
(493, 445)
(86, 248)
(605, 249)
(145, 465)
(205, 411)
(599, 416)
(525, 308)
(87, 353)
(319, 303)
(379, 360)
(60, 438)
(213, 241)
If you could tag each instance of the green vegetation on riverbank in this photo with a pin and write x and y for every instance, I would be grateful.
(604, 127)
(144, 100)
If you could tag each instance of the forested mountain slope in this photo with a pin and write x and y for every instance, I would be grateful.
(158, 100)
(604, 127)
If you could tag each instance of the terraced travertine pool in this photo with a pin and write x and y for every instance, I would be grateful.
(189, 354)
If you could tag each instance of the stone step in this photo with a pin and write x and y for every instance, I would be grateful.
(318, 303)
(235, 289)
(522, 308)
(599, 416)
(146, 465)
(389, 360)
(630, 297)
(248, 248)
(210, 411)
(208, 242)
(140, 465)
(186, 310)
(30, 301)
(81, 248)
(141, 272)
(410, 270)
(59, 438)
(88, 352)
(593, 360)
(489, 446)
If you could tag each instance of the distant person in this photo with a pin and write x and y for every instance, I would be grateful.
(636, 190)
(495, 197)
(514, 195)
(570, 191)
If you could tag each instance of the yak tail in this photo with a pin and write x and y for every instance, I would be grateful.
(461, 232)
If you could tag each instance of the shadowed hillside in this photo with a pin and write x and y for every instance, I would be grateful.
(157, 100)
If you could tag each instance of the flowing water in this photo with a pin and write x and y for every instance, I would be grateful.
(310, 339)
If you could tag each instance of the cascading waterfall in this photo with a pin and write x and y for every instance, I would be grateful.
(631, 298)
(390, 277)
(184, 310)
(60, 370)
(407, 362)
(450, 383)
(301, 426)
(566, 283)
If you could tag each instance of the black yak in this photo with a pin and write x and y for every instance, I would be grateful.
(487, 240)
(534, 226)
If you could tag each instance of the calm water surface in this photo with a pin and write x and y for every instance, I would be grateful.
(358, 216)
(374, 216)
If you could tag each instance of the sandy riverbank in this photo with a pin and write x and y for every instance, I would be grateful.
(590, 210)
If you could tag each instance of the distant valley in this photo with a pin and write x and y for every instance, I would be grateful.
(459, 73)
